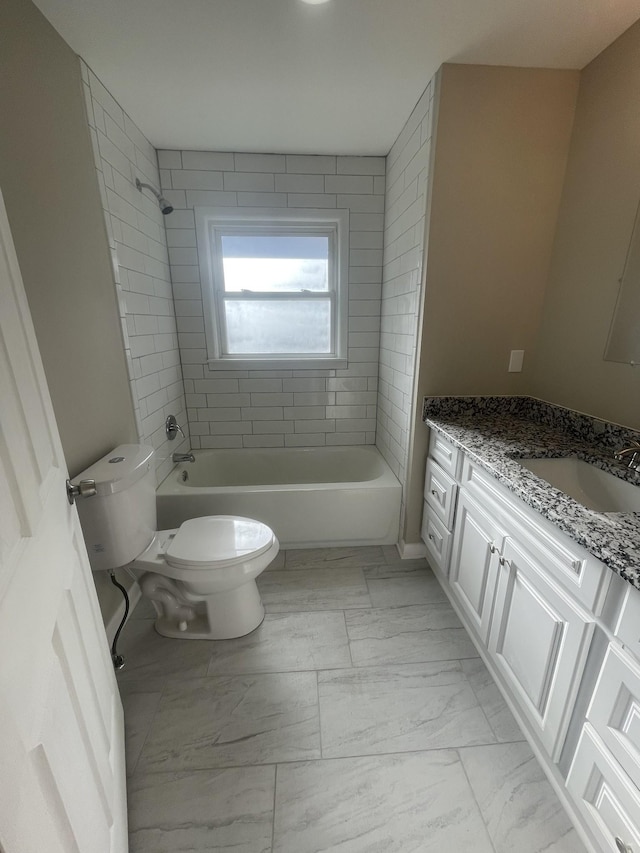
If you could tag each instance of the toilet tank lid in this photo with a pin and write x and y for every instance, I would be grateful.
(119, 469)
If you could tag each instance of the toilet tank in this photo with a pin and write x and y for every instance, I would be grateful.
(119, 521)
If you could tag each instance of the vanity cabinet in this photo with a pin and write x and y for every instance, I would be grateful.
(532, 600)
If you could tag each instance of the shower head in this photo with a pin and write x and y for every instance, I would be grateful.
(165, 207)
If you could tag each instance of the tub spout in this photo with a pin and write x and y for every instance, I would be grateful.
(183, 457)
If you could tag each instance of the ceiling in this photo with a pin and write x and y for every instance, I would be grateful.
(283, 76)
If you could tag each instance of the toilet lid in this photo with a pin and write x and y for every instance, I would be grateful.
(217, 541)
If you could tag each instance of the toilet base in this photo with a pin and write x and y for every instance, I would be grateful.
(233, 613)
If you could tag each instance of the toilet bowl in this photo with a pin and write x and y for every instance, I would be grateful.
(201, 577)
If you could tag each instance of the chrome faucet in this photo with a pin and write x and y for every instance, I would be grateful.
(183, 457)
(633, 450)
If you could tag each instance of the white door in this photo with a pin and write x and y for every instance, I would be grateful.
(62, 782)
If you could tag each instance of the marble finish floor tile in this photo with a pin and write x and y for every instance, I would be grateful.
(407, 568)
(334, 558)
(283, 643)
(414, 634)
(501, 720)
(414, 803)
(152, 660)
(419, 588)
(313, 589)
(202, 811)
(139, 711)
(392, 558)
(234, 720)
(399, 709)
(517, 802)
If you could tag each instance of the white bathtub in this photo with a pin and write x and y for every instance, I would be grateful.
(310, 497)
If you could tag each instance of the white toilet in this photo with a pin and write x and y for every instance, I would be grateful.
(201, 576)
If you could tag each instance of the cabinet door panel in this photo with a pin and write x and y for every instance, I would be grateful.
(539, 639)
(614, 711)
(609, 802)
(474, 562)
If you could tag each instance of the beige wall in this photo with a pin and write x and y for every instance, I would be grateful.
(601, 194)
(48, 179)
(502, 140)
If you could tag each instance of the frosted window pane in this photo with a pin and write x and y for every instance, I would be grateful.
(275, 263)
(278, 326)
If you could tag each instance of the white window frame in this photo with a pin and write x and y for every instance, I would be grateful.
(212, 222)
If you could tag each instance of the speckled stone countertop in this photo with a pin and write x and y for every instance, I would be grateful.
(497, 431)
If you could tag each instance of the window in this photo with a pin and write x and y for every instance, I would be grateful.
(274, 286)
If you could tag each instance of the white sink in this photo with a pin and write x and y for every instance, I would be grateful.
(590, 486)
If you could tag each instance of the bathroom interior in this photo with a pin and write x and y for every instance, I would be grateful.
(490, 226)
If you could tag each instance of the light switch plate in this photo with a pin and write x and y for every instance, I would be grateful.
(515, 360)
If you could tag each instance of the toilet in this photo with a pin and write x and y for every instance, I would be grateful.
(201, 577)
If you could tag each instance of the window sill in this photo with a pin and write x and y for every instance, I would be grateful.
(277, 364)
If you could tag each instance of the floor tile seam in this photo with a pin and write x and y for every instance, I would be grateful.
(406, 663)
(475, 798)
(480, 704)
(282, 762)
(146, 735)
(425, 750)
(267, 608)
(273, 810)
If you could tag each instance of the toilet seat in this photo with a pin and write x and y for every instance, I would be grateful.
(218, 542)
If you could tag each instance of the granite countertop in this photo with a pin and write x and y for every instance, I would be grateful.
(496, 432)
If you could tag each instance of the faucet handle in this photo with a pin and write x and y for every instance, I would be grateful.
(172, 427)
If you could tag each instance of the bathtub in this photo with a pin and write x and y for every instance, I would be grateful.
(310, 497)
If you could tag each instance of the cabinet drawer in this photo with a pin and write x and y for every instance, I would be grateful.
(440, 491)
(586, 577)
(606, 797)
(448, 457)
(614, 711)
(437, 539)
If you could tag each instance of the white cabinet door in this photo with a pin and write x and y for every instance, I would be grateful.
(614, 711)
(539, 641)
(477, 543)
(608, 800)
(62, 782)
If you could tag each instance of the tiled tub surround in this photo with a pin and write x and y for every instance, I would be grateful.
(405, 211)
(281, 408)
(357, 717)
(136, 232)
(496, 431)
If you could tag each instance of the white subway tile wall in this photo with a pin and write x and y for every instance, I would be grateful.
(407, 176)
(135, 227)
(281, 408)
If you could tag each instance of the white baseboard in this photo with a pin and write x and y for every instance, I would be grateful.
(411, 550)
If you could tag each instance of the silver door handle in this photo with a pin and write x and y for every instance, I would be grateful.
(622, 847)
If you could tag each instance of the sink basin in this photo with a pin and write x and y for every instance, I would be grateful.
(590, 486)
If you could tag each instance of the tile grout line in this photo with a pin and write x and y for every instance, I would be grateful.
(473, 794)
(273, 813)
